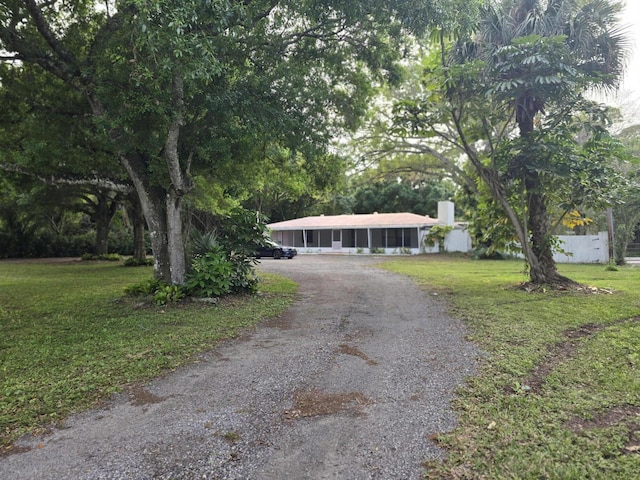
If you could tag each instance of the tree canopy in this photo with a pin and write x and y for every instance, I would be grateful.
(184, 90)
(511, 98)
(203, 102)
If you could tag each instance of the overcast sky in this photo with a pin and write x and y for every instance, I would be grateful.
(629, 95)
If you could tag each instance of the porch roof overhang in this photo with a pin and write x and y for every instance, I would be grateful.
(356, 221)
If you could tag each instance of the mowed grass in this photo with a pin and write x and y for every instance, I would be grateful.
(557, 394)
(69, 338)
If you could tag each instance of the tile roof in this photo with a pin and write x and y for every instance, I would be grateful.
(375, 220)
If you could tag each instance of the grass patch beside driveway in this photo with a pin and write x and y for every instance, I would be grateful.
(70, 339)
(558, 395)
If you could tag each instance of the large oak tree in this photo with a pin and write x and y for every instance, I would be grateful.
(181, 89)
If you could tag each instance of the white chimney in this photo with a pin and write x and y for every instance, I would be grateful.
(446, 213)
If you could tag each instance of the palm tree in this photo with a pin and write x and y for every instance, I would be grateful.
(540, 54)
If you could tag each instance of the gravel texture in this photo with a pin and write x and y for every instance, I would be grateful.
(350, 383)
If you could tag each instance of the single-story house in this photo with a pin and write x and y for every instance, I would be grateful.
(371, 233)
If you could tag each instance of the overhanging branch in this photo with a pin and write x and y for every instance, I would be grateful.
(43, 27)
(94, 181)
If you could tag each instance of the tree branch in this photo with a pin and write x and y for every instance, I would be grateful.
(11, 58)
(45, 31)
(95, 181)
(179, 179)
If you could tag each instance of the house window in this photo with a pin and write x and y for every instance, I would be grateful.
(378, 238)
(362, 238)
(309, 234)
(410, 238)
(325, 238)
(394, 237)
(349, 238)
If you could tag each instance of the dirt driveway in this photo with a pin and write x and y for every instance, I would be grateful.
(348, 384)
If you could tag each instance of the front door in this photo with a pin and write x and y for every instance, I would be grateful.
(336, 237)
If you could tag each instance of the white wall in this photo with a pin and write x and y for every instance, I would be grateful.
(579, 248)
(458, 240)
(584, 248)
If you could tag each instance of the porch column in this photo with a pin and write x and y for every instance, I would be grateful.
(304, 238)
(369, 239)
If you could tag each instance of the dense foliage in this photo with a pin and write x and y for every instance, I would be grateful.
(190, 94)
(37, 220)
(510, 98)
(400, 196)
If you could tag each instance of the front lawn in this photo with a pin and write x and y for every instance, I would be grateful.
(69, 338)
(558, 393)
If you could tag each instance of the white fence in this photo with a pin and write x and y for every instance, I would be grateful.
(577, 248)
(584, 248)
(458, 241)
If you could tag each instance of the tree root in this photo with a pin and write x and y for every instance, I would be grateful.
(563, 284)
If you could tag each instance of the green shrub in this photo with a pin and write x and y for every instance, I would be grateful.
(43, 243)
(168, 294)
(108, 257)
(224, 257)
(161, 293)
(486, 253)
(147, 287)
(211, 274)
(436, 235)
(216, 273)
(243, 279)
(134, 262)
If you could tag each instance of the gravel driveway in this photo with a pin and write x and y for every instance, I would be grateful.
(348, 384)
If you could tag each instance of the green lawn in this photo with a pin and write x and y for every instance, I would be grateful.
(70, 339)
(558, 393)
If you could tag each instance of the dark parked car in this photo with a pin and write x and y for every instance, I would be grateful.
(273, 249)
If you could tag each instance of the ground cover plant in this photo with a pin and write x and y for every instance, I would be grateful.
(557, 394)
(70, 337)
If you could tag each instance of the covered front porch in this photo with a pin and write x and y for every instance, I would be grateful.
(352, 240)
(388, 233)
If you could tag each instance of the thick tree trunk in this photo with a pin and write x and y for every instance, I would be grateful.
(154, 213)
(102, 235)
(152, 203)
(105, 210)
(137, 219)
(543, 269)
(180, 185)
(538, 253)
(162, 209)
(175, 238)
